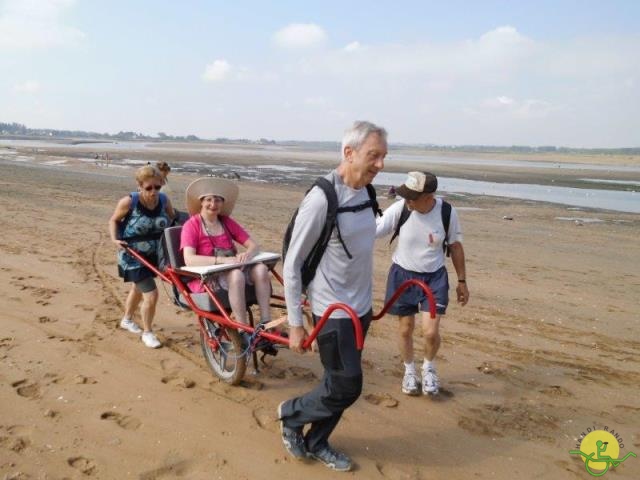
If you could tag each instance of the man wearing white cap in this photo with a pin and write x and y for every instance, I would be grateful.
(422, 240)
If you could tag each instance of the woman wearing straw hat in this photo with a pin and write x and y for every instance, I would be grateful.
(208, 238)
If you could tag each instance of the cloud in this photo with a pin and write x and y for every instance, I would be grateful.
(36, 24)
(30, 86)
(352, 47)
(495, 55)
(518, 109)
(300, 36)
(316, 102)
(217, 71)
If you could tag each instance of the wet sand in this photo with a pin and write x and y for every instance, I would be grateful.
(547, 347)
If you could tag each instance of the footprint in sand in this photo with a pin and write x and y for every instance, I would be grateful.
(251, 384)
(275, 372)
(522, 420)
(178, 381)
(556, 391)
(383, 400)
(45, 319)
(171, 469)
(85, 465)
(17, 476)
(15, 438)
(124, 421)
(398, 472)
(464, 384)
(301, 372)
(85, 308)
(443, 394)
(265, 419)
(168, 365)
(15, 444)
(82, 380)
(26, 390)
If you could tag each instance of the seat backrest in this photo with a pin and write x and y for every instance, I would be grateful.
(172, 246)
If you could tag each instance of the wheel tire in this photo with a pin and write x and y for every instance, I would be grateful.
(225, 362)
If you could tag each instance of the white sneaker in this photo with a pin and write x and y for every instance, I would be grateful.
(430, 381)
(150, 340)
(410, 384)
(128, 324)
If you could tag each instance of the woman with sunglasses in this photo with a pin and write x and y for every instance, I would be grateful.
(138, 222)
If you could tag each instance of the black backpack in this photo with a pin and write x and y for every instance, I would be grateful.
(446, 219)
(312, 261)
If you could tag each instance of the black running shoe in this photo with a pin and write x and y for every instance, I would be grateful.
(332, 459)
(292, 439)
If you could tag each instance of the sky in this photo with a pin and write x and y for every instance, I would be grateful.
(563, 73)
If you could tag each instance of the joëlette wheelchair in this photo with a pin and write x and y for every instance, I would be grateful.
(225, 350)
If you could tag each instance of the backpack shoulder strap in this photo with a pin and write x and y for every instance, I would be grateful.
(374, 201)
(446, 220)
(404, 216)
(313, 260)
(135, 198)
(163, 200)
(330, 192)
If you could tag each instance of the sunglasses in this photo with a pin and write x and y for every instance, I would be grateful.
(148, 188)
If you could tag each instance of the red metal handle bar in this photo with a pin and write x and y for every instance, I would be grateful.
(170, 276)
(147, 264)
(357, 327)
(401, 289)
(221, 316)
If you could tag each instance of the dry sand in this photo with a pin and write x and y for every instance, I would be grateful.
(547, 347)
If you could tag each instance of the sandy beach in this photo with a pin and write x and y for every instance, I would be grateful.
(548, 346)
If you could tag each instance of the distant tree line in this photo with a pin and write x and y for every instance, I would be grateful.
(22, 130)
(19, 129)
(528, 149)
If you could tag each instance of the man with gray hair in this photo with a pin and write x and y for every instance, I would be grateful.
(344, 275)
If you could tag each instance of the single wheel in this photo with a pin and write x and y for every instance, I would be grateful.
(222, 347)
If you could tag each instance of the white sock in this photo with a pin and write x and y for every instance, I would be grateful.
(410, 368)
(427, 364)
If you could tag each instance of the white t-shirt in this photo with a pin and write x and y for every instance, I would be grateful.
(419, 244)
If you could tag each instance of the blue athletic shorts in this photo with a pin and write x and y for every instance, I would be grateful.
(414, 299)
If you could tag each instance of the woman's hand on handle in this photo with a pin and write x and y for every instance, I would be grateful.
(120, 243)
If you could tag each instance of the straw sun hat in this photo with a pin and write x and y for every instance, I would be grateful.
(205, 186)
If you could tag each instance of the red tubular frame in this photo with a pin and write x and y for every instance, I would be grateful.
(406, 284)
(172, 276)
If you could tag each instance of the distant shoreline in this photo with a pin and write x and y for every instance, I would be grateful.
(540, 153)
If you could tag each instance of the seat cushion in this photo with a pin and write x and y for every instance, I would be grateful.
(203, 300)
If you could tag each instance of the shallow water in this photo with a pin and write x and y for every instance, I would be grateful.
(306, 172)
(620, 201)
(426, 160)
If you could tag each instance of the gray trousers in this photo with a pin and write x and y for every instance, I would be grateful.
(341, 383)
